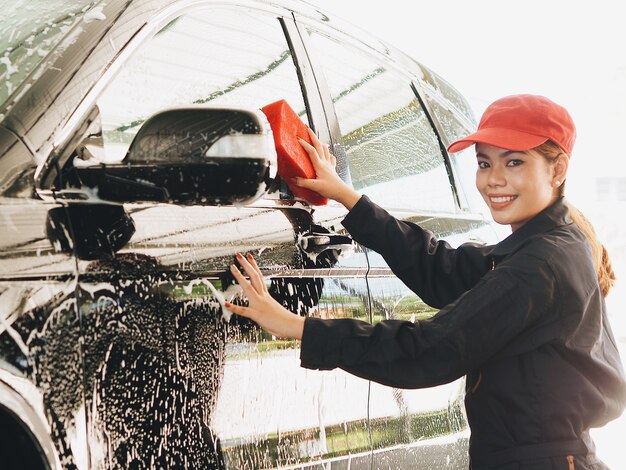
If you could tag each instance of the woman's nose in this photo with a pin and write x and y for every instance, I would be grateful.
(496, 177)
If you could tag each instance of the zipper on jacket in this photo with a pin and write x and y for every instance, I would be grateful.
(570, 461)
(493, 263)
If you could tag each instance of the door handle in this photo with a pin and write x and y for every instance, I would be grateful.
(315, 243)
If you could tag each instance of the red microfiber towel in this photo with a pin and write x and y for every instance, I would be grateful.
(292, 158)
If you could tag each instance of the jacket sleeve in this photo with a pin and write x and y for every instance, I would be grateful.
(432, 269)
(465, 334)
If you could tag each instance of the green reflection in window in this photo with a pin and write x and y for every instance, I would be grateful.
(409, 308)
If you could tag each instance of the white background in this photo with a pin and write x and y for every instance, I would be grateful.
(573, 52)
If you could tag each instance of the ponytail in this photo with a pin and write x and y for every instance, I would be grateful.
(601, 260)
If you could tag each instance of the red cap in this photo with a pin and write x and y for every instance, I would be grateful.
(522, 122)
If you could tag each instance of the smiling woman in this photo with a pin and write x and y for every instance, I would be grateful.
(525, 319)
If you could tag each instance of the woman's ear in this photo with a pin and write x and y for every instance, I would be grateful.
(560, 170)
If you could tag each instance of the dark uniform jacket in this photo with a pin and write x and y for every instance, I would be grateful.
(525, 320)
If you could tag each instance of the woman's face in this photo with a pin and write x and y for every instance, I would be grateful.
(515, 185)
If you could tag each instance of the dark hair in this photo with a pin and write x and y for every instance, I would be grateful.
(601, 260)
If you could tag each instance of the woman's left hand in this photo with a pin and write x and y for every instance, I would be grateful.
(262, 308)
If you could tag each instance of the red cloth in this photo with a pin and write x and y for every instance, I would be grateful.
(292, 158)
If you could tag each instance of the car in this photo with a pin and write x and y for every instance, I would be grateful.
(135, 163)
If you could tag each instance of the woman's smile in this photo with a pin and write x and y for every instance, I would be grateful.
(500, 201)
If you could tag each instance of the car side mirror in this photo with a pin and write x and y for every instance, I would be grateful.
(194, 155)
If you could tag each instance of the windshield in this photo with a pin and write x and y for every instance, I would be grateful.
(29, 30)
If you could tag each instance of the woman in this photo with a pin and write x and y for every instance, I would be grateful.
(525, 319)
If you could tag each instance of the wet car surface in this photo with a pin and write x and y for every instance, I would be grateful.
(115, 351)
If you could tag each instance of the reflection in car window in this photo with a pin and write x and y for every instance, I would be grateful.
(216, 56)
(393, 152)
(28, 32)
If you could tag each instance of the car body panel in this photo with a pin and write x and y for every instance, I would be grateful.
(124, 353)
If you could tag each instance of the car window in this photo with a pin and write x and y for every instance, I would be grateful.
(215, 56)
(393, 153)
(28, 32)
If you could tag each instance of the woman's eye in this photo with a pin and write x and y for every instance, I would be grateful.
(483, 165)
(514, 163)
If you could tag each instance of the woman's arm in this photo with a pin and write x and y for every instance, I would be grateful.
(510, 311)
(435, 271)
(431, 268)
(492, 317)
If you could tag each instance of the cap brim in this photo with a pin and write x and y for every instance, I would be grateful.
(497, 137)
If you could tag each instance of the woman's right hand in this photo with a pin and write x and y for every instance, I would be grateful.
(262, 307)
(327, 181)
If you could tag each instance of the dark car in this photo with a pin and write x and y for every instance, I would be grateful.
(134, 164)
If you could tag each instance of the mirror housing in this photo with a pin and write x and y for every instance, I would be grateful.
(193, 155)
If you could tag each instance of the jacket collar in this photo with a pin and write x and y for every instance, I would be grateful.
(552, 216)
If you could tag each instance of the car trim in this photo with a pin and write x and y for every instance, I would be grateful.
(444, 152)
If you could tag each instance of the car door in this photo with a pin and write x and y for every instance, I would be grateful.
(395, 156)
(170, 379)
